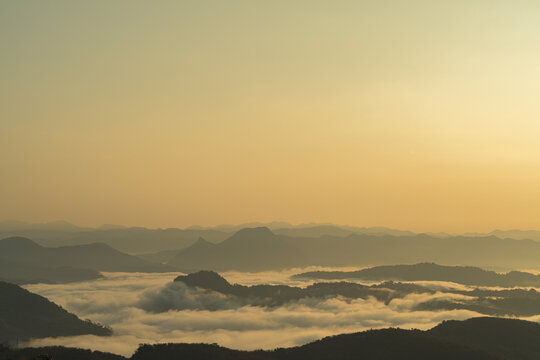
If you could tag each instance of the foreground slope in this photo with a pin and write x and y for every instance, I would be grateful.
(474, 339)
(506, 338)
(55, 353)
(477, 338)
(26, 315)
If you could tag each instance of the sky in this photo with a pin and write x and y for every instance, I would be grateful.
(420, 115)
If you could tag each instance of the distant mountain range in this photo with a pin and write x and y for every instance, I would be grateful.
(132, 240)
(25, 315)
(163, 244)
(24, 261)
(473, 339)
(260, 249)
(466, 275)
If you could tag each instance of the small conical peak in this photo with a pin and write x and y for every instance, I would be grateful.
(201, 243)
(201, 240)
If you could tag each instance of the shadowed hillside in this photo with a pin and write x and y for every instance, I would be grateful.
(506, 338)
(26, 315)
(477, 338)
(374, 344)
(55, 353)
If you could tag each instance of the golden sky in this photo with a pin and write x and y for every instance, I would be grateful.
(420, 115)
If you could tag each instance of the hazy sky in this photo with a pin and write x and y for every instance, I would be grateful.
(422, 115)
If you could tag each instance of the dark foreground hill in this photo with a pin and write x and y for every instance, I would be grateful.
(98, 257)
(25, 315)
(473, 339)
(466, 275)
(506, 338)
(55, 353)
(374, 344)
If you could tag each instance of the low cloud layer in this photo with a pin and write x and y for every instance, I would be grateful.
(178, 296)
(131, 305)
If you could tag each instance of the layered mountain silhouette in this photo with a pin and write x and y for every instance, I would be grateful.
(28, 255)
(466, 275)
(248, 249)
(25, 315)
(165, 256)
(503, 338)
(316, 244)
(517, 234)
(333, 230)
(132, 240)
(260, 249)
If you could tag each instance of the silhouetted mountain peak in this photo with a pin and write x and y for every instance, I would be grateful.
(202, 243)
(205, 279)
(251, 235)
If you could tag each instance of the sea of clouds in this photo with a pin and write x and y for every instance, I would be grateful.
(134, 306)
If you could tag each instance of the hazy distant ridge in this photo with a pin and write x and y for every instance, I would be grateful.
(466, 275)
(261, 249)
(99, 257)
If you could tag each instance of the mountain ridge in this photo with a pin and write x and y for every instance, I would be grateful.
(95, 256)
